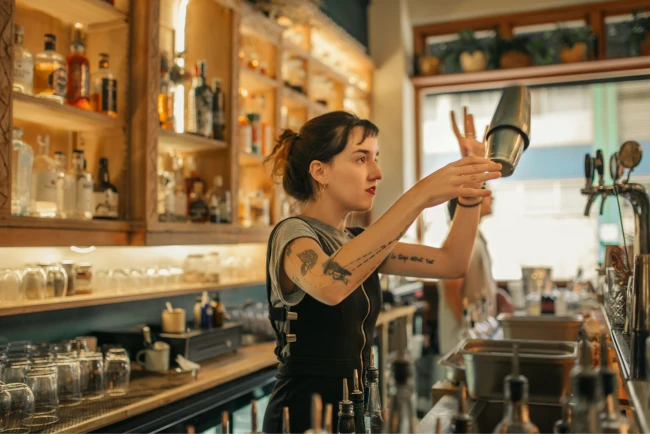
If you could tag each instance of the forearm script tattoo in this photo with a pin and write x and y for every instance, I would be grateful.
(405, 258)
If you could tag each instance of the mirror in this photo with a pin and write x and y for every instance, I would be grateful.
(629, 156)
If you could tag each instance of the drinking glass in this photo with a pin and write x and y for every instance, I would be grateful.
(21, 408)
(117, 370)
(33, 283)
(69, 381)
(43, 384)
(92, 375)
(16, 371)
(5, 406)
(11, 285)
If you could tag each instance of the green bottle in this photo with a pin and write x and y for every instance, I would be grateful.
(357, 399)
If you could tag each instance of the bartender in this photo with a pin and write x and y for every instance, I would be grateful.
(322, 277)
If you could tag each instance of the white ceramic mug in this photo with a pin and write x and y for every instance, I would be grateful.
(155, 360)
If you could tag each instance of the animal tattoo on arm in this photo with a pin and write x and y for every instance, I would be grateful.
(308, 258)
(332, 268)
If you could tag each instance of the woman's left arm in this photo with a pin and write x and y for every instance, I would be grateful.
(452, 259)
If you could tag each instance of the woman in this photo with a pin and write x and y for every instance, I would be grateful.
(326, 274)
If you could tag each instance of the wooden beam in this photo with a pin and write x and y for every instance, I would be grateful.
(7, 8)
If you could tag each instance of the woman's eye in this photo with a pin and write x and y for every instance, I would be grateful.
(362, 159)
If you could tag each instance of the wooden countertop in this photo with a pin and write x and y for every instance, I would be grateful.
(148, 391)
(395, 313)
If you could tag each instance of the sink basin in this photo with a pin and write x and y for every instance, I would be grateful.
(488, 414)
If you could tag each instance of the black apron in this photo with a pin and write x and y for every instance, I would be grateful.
(331, 341)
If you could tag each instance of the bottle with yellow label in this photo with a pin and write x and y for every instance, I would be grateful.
(50, 72)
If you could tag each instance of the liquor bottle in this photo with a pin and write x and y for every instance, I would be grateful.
(106, 199)
(84, 186)
(461, 422)
(191, 179)
(191, 102)
(516, 416)
(563, 426)
(373, 411)
(218, 111)
(216, 198)
(66, 193)
(225, 421)
(357, 399)
(245, 130)
(50, 72)
(585, 418)
(78, 72)
(256, 133)
(316, 415)
(206, 312)
(254, 417)
(43, 203)
(165, 95)
(22, 163)
(203, 102)
(179, 76)
(23, 63)
(197, 313)
(611, 419)
(103, 97)
(346, 413)
(165, 192)
(286, 427)
(327, 426)
(219, 311)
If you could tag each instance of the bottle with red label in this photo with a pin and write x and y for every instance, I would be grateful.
(78, 94)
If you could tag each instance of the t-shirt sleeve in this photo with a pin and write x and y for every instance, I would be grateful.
(288, 231)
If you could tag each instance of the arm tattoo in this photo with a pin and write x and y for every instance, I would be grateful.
(332, 268)
(308, 258)
(288, 249)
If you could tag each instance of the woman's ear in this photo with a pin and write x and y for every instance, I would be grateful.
(319, 171)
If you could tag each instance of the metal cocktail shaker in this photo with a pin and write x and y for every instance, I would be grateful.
(509, 132)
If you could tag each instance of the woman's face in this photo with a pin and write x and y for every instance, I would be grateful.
(353, 174)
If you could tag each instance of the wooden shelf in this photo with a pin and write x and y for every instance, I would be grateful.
(188, 142)
(253, 81)
(163, 234)
(246, 159)
(41, 111)
(296, 49)
(294, 100)
(87, 12)
(597, 69)
(151, 391)
(75, 301)
(32, 231)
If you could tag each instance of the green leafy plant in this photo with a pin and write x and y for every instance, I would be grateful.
(569, 36)
(468, 42)
(636, 33)
(542, 49)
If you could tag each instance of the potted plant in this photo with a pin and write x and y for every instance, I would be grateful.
(513, 53)
(573, 43)
(429, 62)
(637, 35)
(472, 56)
(542, 49)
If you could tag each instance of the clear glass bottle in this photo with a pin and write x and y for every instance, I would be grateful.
(166, 185)
(50, 72)
(103, 97)
(374, 421)
(78, 94)
(66, 193)
(516, 417)
(84, 186)
(467, 326)
(43, 203)
(105, 195)
(23, 63)
(22, 162)
(215, 198)
(191, 102)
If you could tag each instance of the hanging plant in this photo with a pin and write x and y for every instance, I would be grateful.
(573, 43)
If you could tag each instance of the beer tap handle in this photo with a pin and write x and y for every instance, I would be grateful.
(589, 170)
(599, 165)
(603, 197)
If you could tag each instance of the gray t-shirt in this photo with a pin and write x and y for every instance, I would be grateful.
(289, 230)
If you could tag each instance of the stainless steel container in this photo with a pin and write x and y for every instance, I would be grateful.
(509, 132)
(541, 328)
(547, 365)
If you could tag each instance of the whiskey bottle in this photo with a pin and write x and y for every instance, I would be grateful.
(43, 195)
(78, 72)
(374, 421)
(23, 63)
(346, 412)
(225, 422)
(22, 163)
(316, 415)
(199, 211)
(286, 427)
(106, 199)
(219, 312)
(84, 186)
(191, 179)
(50, 72)
(66, 199)
(165, 95)
(357, 399)
(218, 111)
(516, 417)
(203, 102)
(103, 98)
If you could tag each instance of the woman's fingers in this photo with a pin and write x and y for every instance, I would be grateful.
(474, 192)
(470, 131)
(454, 126)
(475, 178)
(471, 169)
(474, 159)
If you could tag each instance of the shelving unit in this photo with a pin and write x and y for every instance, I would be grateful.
(253, 81)
(76, 301)
(186, 142)
(87, 12)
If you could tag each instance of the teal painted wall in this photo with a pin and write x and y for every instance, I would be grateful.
(351, 15)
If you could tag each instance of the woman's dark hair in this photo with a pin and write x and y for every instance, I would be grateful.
(320, 139)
